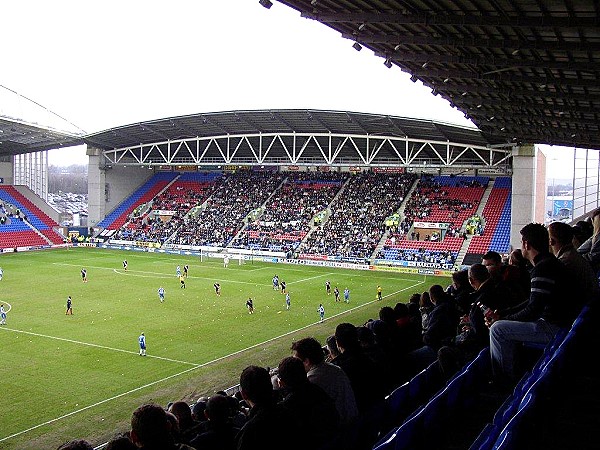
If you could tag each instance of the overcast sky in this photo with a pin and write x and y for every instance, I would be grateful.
(111, 63)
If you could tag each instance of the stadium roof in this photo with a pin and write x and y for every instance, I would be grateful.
(17, 137)
(278, 121)
(523, 71)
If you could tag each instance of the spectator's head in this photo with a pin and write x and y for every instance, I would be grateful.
(534, 241)
(346, 337)
(415, 298)
(332, 347)
(387, 314)
(77, 444)
(401, 310)
(183, 412)
(478, 274)
(256, 387)
(218, 409)
(309, 351)
(150, 425)
(560, 234)
(437, 294)
(493, 262)
(595, 218)
(120, 442)
(366, 337)
(291, 373)
(460, 279)
(516, 258)
(198, 410)
(582, 231)
(425, 301)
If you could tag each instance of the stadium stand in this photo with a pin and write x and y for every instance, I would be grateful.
(25, 224)
(116, 218)
(287, 215)
(496, 214)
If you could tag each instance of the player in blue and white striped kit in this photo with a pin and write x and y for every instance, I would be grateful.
(161, 294)
(142, 341)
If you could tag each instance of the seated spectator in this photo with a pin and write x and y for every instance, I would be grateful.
(524, 267)
(583, 280)
(77, 444)
(425, 308)
(541, 317)
(120, 442)
(269, 426)
(332, 349)
(151, 429)
(188, 428)
(329, 377)
(220, 433)
(474, 334)
(311, 407)
(409, 330)
(590, 249)
(504, 277)
(361, 370)
(582, 231)
(443, 323)
(461, 291)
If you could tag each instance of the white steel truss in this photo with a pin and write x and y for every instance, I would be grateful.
(319, 149)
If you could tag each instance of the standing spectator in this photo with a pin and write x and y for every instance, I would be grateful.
(329, 377)
(541, 317)
(151, 429)
(269, 426)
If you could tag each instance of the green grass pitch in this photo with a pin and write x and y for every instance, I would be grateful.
(64, 377)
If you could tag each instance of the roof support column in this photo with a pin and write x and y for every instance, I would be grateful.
(528, 190)
(96, 186)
